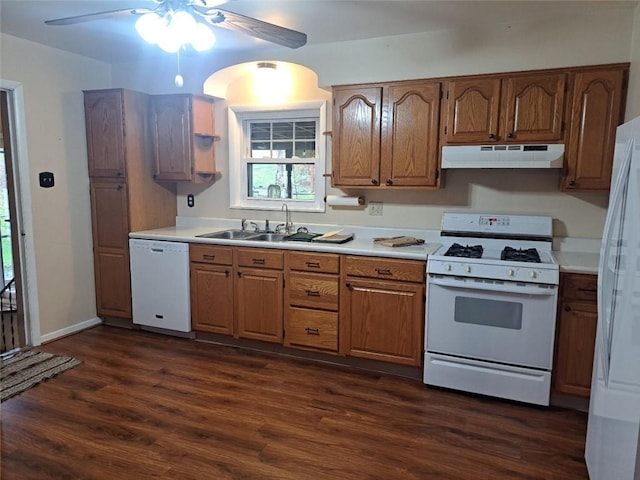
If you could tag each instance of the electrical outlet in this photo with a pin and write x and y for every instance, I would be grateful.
(375, 208)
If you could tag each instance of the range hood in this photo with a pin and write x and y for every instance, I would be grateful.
(503, 156)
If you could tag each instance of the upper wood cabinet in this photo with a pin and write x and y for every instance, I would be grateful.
(183, 138)
(386, 135)
(504, 109)
(104, 117)
(597, 109)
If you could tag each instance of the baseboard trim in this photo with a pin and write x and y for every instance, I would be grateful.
(63, 332)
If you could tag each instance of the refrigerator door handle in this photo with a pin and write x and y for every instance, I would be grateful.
(605, 325)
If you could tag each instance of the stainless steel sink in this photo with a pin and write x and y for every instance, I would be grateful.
(230, 235)
(268, 237)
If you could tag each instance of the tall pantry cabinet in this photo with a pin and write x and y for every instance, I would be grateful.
(124, 196)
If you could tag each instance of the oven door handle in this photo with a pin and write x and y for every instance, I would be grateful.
(525, 290)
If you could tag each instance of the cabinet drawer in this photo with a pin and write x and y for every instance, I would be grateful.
(210, 254)
(314, 262)
(260, 258)
(312, 328)
(580, 287)
(388, 269)
(313, 290)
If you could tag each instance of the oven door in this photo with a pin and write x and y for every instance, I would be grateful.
(496, 321)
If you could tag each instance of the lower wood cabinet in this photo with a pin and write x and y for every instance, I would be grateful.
(367, 307)
(575, 334)
(212, 292)
(382, 316)
(259, 294)
(312, 301)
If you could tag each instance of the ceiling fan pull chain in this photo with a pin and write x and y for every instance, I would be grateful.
(178, 81)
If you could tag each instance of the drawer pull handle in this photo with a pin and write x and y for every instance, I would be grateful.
(208, 257)
(588, 290)
(313, 264)
(312, 331)
(383, 271)
(258, 261)
(567, 308)
(313, 293)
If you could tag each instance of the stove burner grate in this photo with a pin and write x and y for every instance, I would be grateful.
(521, 255)
(457, 250)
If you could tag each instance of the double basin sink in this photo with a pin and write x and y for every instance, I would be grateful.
(244, 235)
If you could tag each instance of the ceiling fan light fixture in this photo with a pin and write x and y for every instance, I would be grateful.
(149, 26)
(202, 38)
(175, 29)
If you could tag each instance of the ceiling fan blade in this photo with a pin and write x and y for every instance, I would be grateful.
(254, 27)
(89, 17)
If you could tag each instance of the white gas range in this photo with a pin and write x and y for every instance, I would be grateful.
(492, 292)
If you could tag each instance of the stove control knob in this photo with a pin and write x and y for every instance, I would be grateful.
(447, 267)
(533, 274)
(510, 272)
(467, 268)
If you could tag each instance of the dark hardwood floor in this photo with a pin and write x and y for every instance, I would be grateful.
(144, 405)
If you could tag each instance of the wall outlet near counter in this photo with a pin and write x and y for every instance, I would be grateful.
(375, 208)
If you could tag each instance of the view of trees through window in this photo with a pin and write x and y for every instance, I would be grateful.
(289, 142)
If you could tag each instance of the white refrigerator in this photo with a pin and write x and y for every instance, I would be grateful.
(613, 434)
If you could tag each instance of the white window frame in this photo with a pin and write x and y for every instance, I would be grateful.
(239, 158)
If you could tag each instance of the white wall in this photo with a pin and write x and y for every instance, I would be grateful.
(52, 83)
(584, 39)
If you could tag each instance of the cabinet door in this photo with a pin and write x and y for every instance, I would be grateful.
(104, 117)
(533, 108)
(171, 137)
(472, 111)
(575, 345)
(410, 135)
(212, 298)
(383, 320)
(110, 249)
(259, 307)
(113, 284)
(595, 114)
(356, 136)
(109, 213)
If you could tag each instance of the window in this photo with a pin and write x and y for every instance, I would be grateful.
(277, 156)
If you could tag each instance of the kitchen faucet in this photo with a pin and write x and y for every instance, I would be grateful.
(288, 225)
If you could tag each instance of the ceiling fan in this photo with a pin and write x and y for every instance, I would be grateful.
(201, 11)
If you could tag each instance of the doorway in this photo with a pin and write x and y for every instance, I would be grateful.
(12, 328)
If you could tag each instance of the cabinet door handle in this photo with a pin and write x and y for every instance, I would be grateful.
(312, 331)
(383, 271)
(226, 273)
(119, 174)
(239, 274)
(313, 264)
(258, 261)
(492, 136)
(374, 181)
(511, 135)
(567, 308)
(313, 293)
(389, 181)
(572, 183)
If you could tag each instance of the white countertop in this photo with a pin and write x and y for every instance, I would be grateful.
(578, 262)
(187, 230)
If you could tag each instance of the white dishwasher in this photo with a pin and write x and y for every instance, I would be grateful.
(160, 284)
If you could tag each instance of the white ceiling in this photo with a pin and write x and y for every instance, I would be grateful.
(115, 40)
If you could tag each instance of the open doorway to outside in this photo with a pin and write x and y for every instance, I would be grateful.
(11, 307)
